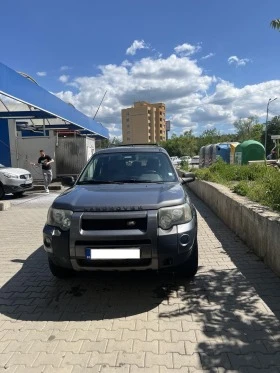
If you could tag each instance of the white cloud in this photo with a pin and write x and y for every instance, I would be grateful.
(137, 44)
(126, 63)
(65, 68)
(41, 73)
(208, 126)
(234, 60)
(63, 78)
(187, 49)
(194, 100)
(208, 56)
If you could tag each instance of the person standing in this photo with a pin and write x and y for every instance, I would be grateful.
(272, 154)
(45, 161)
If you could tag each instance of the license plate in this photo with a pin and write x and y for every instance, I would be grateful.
(108, 254)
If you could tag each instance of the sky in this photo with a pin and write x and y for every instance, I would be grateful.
(210, 61)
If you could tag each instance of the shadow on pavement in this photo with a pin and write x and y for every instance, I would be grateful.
(237, 310)
(223, 312)
(34, 294)
(256, 272)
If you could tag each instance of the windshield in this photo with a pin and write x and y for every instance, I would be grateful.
(138, 167)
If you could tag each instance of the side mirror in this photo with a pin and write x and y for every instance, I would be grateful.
(67, 181)
(187, 177)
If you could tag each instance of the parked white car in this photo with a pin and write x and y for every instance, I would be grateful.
(175, 160)
(14, 180)
(186, 158)
(194, 162)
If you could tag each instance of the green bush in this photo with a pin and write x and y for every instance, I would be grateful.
(242, 188)
(258, 182)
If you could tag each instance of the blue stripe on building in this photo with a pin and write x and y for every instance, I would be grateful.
(5, 154)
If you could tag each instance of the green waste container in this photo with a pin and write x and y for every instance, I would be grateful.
(249, 150)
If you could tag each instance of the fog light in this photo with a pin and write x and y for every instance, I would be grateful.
(47, 242)
(184, 239)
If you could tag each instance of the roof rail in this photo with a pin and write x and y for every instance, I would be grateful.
(155, 144)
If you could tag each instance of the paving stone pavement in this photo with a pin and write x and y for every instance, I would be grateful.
(225, 320)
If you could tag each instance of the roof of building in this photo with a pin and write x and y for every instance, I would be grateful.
(38, 103)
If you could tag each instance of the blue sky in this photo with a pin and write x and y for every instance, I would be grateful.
(211, 62)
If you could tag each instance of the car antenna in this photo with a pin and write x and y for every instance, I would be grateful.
(99, 105)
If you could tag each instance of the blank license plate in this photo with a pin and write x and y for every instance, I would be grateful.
(99, 254)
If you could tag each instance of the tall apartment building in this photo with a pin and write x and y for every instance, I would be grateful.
(144, 123)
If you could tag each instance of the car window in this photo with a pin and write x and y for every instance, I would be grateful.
(128, 167)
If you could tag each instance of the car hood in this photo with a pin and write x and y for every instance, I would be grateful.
(15, 171)
(121, 197)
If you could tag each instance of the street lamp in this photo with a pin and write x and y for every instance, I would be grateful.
(265, 137)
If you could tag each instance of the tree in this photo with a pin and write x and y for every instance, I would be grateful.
(105, 143)
(208, 137)
(275, 24)
(273, 128)
(246, 129)
(185, 144)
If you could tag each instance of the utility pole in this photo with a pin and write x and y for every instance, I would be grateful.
(265, 135)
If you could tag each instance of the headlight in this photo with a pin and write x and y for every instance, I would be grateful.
(11, 176)
(59, 218)
(169, 216)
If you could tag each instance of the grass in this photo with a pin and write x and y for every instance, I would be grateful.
(257, 182)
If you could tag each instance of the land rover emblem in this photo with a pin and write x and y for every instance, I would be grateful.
(130, 223)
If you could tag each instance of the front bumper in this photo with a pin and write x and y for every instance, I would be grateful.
(159, 248)
(11, 185)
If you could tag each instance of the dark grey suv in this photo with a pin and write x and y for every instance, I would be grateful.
(128, 210)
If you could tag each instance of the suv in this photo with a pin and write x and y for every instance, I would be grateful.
(128, 210)
(14, 180)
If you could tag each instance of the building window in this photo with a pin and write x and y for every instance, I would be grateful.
(128, 138)
(127, 119)
(149, 137)
(160, 131)
(127, 113)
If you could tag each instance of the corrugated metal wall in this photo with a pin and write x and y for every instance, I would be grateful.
(72, 154)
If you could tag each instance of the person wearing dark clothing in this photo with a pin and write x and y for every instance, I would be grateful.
(45, 162)
(272, 155)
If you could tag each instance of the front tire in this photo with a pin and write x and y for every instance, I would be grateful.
(59, 272)
(2, 192)
(190, 267)
(18, 194)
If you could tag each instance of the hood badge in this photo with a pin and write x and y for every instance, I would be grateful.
(113, 208)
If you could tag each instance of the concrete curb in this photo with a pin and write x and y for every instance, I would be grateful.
(5, 205)
(51, 187)
(256, 225)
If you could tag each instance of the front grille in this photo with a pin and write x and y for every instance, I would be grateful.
(26, 185)
(114, 263)
(114, 224)
(115, 243)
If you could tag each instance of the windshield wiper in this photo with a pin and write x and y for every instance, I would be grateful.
(138, 181)
(128, 181)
